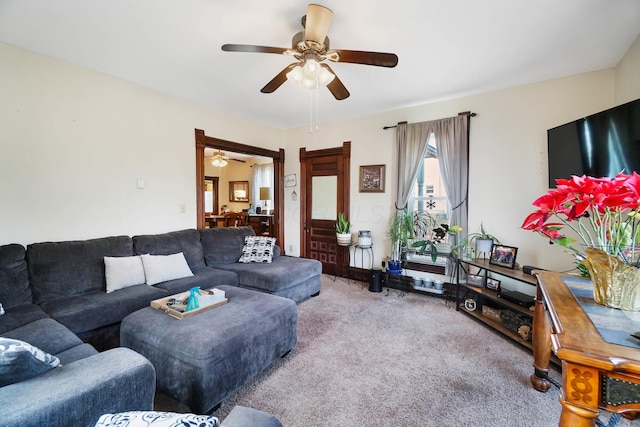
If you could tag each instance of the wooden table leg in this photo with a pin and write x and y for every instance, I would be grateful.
(575, 416)
(541, 345)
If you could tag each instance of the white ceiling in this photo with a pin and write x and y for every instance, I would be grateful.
(446, 49)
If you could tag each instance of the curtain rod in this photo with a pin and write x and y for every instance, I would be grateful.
(464, 113)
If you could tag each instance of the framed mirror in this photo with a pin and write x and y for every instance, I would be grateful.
(238, 191)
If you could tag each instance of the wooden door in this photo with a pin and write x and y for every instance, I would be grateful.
(325, 183)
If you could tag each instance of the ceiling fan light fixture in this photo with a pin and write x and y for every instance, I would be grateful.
(219, 160)
(310, 76)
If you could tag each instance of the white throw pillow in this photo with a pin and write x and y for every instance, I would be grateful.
(160, 268)
(122, 272)
(1, 310)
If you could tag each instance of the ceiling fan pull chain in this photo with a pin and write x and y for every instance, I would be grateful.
(317, 107)
(310, 111)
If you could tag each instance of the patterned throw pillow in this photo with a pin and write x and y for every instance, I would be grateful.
(20, 361)
(155, 419)
(257, 249)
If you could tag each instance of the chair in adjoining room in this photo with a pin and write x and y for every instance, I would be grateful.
(236, 219)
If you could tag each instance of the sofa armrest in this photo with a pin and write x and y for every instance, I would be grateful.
(117, 380)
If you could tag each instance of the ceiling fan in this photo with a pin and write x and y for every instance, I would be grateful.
(220, 160)
(310, 47)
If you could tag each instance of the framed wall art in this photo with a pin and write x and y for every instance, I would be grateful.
(504, 256)
(372, 178)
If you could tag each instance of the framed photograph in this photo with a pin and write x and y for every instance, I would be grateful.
(372, 178)
(474, 280)
(493, 284)
(290, 180)
(504, 256)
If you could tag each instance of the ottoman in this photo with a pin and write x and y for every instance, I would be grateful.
(201, 359)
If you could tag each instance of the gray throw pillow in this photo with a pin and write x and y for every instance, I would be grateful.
(20, 361)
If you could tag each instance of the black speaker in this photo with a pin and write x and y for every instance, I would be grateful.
(528, 269)
(375, 284)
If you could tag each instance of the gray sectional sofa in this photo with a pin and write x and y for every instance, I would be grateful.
(54, 298)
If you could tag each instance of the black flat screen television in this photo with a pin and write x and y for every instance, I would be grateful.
(602, 144)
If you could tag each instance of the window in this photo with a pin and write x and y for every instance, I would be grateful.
(429, 194)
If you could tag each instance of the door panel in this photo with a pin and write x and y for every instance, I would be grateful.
(325, 179)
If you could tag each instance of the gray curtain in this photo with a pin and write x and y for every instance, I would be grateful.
(412, 145)
(452, 143)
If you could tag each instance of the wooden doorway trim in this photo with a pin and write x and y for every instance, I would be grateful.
(203, 141)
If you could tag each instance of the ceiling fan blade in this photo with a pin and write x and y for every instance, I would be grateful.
(317, 23)
(277, 81)
(253, 49)
(335, 86)
(379, 59)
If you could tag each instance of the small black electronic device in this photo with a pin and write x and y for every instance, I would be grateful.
(517, 297)
(529, 269)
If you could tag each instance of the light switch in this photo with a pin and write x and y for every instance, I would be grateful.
(140, 183)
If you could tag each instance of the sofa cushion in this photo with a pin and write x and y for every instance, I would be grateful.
(122, 272)
(223, 245)
(76, 353)
(58, 270)
(14, 276)
(205, 277)
(160, 268)
(20, 361)
(282, 273)
(89, 311)
(156, 419)
(46, 334)
(21, 315)
(257, 249)
(185, 241)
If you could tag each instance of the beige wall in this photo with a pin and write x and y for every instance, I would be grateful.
(628, 75)
(74, 143)
(507, 166)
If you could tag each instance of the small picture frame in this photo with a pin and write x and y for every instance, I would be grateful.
(474, 280)
(372, 178)
(290, 180)
(504, 256)
(493, 284)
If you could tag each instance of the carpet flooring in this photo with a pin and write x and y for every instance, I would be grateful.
(380, 359)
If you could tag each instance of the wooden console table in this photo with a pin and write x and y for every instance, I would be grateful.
(600, 359)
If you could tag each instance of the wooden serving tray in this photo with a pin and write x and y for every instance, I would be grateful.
(177, 310)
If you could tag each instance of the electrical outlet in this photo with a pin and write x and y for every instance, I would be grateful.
(290, 248)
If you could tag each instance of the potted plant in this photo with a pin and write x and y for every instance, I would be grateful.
(343, 230)
(604, 215)
(436, 244)
(401, 231)
(483, 241)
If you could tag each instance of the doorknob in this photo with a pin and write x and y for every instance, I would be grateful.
(307, 226)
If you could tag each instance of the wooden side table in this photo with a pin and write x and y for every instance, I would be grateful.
(600, 359)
